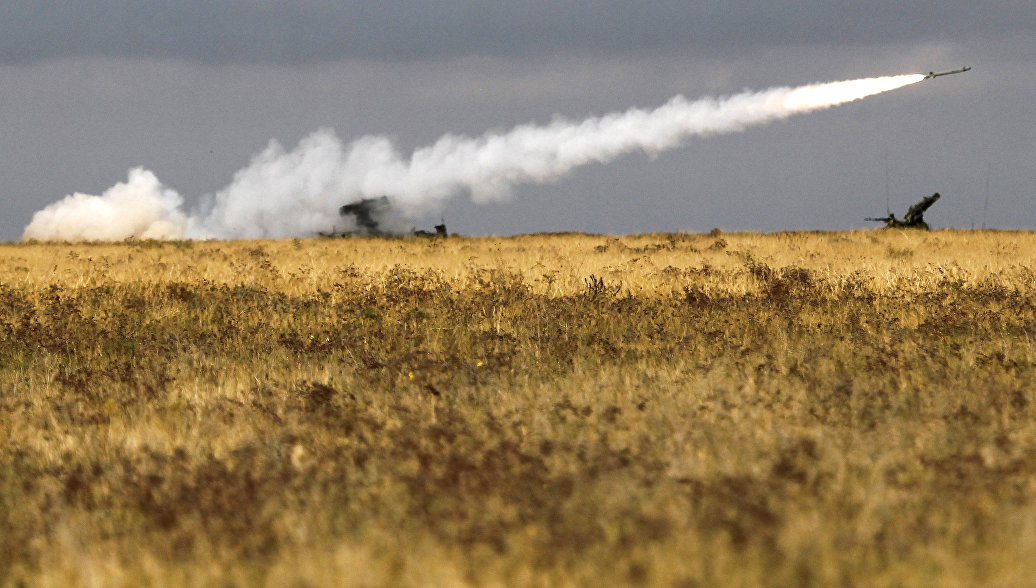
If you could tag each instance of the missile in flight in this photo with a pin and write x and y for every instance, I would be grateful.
(933, 74)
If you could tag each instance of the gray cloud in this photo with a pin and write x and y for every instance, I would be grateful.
(310, 31)
(191, 90)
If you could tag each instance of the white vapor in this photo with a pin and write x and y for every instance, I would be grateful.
(297, 193)
(139, 207)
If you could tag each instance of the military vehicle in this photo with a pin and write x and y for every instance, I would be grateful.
(376, 216)
(440, 231)
(914, 217)
(369, 213)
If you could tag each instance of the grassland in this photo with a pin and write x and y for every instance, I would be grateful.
(851, 409)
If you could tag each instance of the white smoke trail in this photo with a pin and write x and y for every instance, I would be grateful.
(295, 193)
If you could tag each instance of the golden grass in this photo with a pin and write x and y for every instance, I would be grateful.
(677, 410)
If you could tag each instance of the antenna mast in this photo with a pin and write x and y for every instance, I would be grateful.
(888, 207)
(985, 207)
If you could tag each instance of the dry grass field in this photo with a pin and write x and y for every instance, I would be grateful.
(805, 409)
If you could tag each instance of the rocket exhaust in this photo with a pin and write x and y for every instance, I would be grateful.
(298, 193)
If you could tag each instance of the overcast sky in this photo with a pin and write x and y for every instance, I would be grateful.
(191, 90)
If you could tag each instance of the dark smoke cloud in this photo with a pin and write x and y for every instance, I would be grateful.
(311, 30)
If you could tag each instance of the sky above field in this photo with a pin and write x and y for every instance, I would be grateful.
(193, 90)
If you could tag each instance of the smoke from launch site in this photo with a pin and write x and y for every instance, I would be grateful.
(285, 193)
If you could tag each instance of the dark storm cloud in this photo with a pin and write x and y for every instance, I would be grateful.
(191, 90)
(314, 31)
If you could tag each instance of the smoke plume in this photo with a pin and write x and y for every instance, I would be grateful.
(297, 193)
(139, 207)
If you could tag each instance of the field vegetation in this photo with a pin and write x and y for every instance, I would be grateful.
(847, 409)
